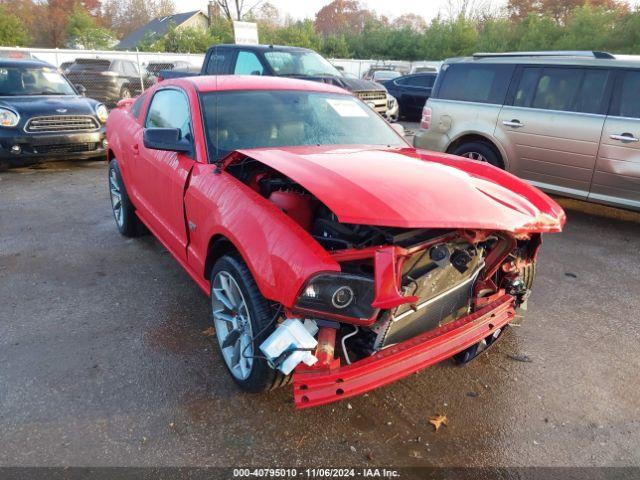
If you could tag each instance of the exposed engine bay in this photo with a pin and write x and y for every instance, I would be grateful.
(442, 274)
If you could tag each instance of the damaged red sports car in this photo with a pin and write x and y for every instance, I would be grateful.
(336, 256)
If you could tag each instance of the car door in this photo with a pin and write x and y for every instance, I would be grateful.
(552, 124)
(415, 92)
(616, 179)
(161, 176)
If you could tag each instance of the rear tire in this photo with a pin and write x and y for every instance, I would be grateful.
(238, 306)
(125, 93)
(480, 151)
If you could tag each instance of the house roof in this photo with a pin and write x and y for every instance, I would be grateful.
(157, 26)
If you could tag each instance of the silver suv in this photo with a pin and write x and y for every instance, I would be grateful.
(568, 122)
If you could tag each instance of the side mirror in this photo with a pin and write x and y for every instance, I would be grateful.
(169, 139)
(398, 127)
(81, 89)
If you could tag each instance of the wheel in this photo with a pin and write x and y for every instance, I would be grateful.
(125, 92)
(473, 351)
(480, 151)
(123, 212)
(243, 319)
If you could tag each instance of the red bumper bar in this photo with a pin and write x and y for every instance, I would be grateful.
(312, 388)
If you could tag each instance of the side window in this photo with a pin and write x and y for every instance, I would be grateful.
(556, 89)
(116, 66)
(130, 69)
(218, 61)
(475, 83)
(169, 109)
(247, 63)
(629, 98)
(564, 89)
(421, 81)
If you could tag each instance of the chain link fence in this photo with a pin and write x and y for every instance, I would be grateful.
(109, 76)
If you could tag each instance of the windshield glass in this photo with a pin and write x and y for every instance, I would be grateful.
(254, 119)
(300, 63)
(33, 81)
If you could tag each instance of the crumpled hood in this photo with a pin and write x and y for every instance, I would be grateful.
(404, 187)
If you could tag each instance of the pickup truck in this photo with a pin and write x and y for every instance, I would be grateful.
(281, 61)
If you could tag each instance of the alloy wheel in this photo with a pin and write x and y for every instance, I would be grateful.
(233, 325)
(116, 197)
(475, 156)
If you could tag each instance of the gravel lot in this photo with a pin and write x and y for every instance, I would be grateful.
(102, 359)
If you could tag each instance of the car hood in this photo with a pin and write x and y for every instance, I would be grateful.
(357, 85)
(404, 187)
(35, 105)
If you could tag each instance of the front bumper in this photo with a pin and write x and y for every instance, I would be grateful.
(317, 387)
(77, 145)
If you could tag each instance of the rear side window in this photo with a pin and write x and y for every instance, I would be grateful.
(218, 61)
(476, 83)
(563, 89)
(629, 97)
(169, 109)
(420, 81)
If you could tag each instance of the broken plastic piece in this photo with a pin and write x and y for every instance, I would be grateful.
(290, 344)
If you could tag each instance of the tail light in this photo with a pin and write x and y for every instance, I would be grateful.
(426, 118)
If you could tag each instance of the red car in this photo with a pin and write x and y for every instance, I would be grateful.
(325, 241)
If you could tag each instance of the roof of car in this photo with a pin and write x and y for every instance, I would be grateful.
(277, 48)
(10, 62)
(597, 59)
(211, 83)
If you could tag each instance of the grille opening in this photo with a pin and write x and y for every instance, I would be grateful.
(61, 123)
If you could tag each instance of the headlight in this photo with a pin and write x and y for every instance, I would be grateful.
(102, 113)
(8, 118)
(338, 294)
(391, 101)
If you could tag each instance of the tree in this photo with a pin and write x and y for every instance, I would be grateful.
(411, 21)
(236, 9)
(342, 16)
(187, 40)
(83, 30)
(12, 32)
(559, 10)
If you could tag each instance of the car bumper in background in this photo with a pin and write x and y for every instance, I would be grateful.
(317, 387)
(431, 140)
(18, 147)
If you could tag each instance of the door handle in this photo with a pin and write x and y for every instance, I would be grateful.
(513, 123)
(624, 137)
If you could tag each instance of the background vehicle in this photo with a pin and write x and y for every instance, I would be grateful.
(43, 116)
(269, 196)
(568, 122)
(154, 68)
(411, 92)
(368, 75)
(279, 61)
(106, 80)
(382, 76)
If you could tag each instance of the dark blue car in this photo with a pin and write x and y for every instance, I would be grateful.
(412, 92)
(42, 115)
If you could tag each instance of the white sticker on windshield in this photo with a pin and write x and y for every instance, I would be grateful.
(53, 77)
(347, 108)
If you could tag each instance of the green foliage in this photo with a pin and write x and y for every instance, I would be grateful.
(82, 29)
(12, 31)
(187, 40)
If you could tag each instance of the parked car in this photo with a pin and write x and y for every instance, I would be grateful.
(313, 224)
(382, 76)
(106, 80)
(567, 122)
(43, 116)
(412, 92)
(369, 74)
(280, 61)
(154, 68)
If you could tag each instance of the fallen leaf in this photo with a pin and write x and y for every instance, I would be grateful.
(520, 358)
(209, 332)
(438, 420)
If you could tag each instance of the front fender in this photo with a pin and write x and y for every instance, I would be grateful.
(279, 253)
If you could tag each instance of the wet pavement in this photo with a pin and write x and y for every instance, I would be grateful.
(103, 360)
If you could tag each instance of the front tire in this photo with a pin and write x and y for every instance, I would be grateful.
(243, 319)
(123, 212)
(480, 151)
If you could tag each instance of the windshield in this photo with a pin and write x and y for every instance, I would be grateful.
(253, 119)
(33, 81)
(300, 63)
